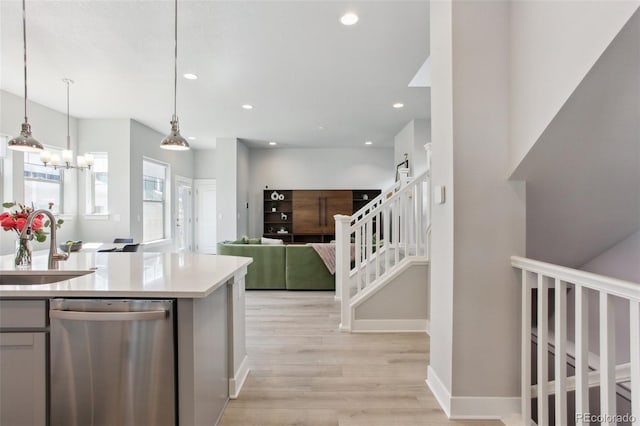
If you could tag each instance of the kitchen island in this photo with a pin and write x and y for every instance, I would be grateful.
(209, 336)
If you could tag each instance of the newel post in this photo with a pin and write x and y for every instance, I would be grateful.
(343, 263)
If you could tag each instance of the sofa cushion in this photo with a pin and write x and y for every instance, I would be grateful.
(305, 270)
(268, 268)
(271, 241)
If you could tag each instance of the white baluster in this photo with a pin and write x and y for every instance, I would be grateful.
(561, 352)
(358, 255)
(607, 358)
(582, 353)
(543, 350)
(525, 365)
(418, 220)
(396, 231)
(377, 242)
(386, 219)
(367, 251)
(634, 318)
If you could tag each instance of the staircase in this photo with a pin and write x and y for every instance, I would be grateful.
(378, 247)
(559, 392)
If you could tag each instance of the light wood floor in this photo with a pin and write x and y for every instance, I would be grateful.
(304, 371)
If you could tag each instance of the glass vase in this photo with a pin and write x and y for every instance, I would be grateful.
(23, 254)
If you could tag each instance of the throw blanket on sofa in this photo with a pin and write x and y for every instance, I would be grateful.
(327, 252)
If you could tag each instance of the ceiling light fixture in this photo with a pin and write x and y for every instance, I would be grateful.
(25, 142)
(247, 106)
(273, 143)
(190, 76)
(349, 18)
(174, 141)
(83, 161)
(368, 143)
(398, 105)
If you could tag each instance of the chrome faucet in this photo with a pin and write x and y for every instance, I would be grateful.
(54, 256)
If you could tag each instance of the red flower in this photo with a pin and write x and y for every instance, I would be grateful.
(20, 222)
(36, 224)
(4, 215)
(8, 223)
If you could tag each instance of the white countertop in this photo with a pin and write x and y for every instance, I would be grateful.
(129, 275)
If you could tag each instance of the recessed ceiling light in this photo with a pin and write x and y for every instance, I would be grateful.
(321, 128)
(247, 106)
(398, 105)
(192, 138)
(349, 18)
(190, 76)
(273, 143)
(368, 143)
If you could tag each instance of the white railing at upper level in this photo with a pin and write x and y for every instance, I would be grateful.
(391, 228)
(570, 283)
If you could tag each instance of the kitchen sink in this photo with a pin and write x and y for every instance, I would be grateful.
(38, 277)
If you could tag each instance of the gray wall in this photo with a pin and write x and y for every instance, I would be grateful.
(145, 143)
(411, 140)
(226, 188)
(583, 174)
(205, 163)
(112, 137)
(330, 168)
(475, 313)
(552, 46)
(406, 297)
(243, 189)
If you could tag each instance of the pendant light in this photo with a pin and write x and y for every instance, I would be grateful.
(174, 141)
(25, 142)
(84, 161)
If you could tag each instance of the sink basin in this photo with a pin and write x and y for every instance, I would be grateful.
(38, 277)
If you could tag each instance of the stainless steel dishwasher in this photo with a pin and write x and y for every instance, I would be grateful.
(112, 362)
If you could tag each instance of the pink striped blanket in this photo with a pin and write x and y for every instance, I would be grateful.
(327, 252)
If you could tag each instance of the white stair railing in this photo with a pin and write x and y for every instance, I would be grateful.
(566, 282)
(391, 228)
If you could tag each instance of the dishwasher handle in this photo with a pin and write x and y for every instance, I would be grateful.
(107, 316)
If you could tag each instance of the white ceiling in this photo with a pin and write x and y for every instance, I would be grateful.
(313, 81)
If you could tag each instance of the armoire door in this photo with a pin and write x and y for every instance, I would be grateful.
(307, 212)
(335, 202)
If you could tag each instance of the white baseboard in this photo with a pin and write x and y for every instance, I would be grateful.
(470, 407)
(439, 390)
(236, 382)
(388, 326)
(428, 330)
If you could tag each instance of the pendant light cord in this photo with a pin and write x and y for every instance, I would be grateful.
(68, 137)
(175, 61)
(24, 40)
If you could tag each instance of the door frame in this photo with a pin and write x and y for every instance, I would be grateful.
(181, 181)
(196, 199)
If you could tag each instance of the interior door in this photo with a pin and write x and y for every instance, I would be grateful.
(184, 214)
(335, 202)
(205, 216)
(307, 212)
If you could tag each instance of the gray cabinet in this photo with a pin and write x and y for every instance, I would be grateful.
(23, 357)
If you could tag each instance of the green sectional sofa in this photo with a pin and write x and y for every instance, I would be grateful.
(280, 267)
(305, 270)
(267, 271)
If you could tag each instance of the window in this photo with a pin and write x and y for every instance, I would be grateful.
(154, 192)
(42, 185)
(98, 184)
